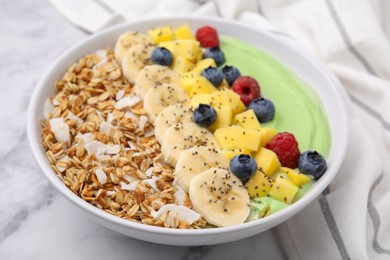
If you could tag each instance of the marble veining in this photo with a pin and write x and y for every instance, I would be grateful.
(35, 221)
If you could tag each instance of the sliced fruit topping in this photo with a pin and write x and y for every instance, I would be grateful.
(169, 116)
(231, 73)
(202, 86)
(219, 197)
(162, 56)
(267, 161)
(296, 177)
(180, 137)
(188, 49)
(247, 119)
(161, 34)
(238, 137)
(243, 166)
(258, 185)
(286, 148)
(204, 115)
(204, 64)
(283, 189)
(214, 75)
(312, 163)
(263, 108)
(182, 65)
(152, 74)
(184, 33)
(247, 87)
(195, 161)
(233, 152)
(207, 36)
(126, 41)
(216, 54)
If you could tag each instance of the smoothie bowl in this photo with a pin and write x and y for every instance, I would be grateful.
(188, 131)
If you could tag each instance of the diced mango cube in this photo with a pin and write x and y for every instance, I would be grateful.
(182, 65)
(200, 99)
(267, 160)
(296, 177)
(184, 33)
(202, 86)
(161, 34)
(258, 185)
(283, 189)
(204, 64)
(247, 119)
(187, 81)
(188, 49)
(238, 137)
(233, 152)
(267, 134)
(235, 101)
(224, 117)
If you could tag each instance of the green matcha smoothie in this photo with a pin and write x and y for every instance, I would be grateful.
(298, 108)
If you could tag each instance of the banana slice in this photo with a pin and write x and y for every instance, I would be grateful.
(126, 41)
(135, 59)
(219, 197)
(183, 136)
(161, 96)
(152, 75)
(197, 160)
(170, 116)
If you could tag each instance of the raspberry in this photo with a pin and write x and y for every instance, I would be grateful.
(247, 87)
(286, 148)
(207, 36)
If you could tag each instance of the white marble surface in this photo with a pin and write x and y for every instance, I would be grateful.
(35, 221)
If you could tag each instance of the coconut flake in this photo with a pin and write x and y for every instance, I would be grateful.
(95, 147)
(55, 102)
(87, 137)
(101, 176)
(120, 94)
(47, 108)
(132, 146)
(131, 186)
(127, 102)
(112, 149)
(184, 213)
(149, 172)
(179, 195)
(74, 117)
(110, 118)
(149, 133)
(131, 115)
(152, 182)
(105, 127)
(130, 178)
(142, 122)
(101, 53)
(60, 129)
(63, 159)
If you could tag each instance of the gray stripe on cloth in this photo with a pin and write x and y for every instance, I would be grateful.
(373, 212)
(371, 111)
(346, 38)
(332, 225)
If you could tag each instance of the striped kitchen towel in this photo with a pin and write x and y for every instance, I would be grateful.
(351, 219)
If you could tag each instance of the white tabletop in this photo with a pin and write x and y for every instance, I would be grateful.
(35, 221)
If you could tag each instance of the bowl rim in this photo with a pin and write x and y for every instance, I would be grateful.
(294, 208)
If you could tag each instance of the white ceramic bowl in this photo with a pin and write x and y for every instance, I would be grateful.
(305, 66)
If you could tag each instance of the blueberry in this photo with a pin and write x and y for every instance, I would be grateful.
(312, 163)
(162, 56)
(216, 54)
(231, 73)
(204, 115)
(243, 166)
(214, 75)
(264, 109)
